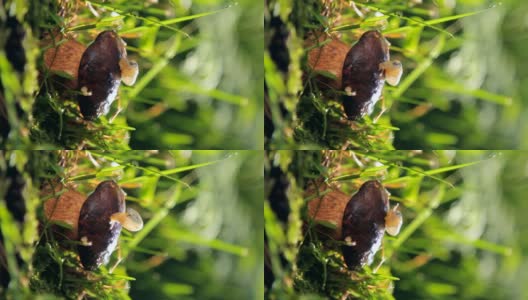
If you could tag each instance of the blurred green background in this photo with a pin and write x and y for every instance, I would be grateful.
(202, 237)
(199, 85)
(487, 209)
(213, 89)
(228, 208)
(491, 57)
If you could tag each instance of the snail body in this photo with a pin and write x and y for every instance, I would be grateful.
(364, 69)
(362, 76)
(97, 233)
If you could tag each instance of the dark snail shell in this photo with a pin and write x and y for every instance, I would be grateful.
(99, 75)
(97, 234)
(364, 224)
(362, 76)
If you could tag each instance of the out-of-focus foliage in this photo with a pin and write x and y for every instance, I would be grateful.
(199, 86)
(462, 85)
(463, 235)
(202, 237)
(227, 209)
(485, 60)
(210, 95)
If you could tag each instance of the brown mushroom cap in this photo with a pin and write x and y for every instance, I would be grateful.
(328, 208)
(100, 74)
(327, 56)
(64, 208)
(364, 224)
(65, 57)
(97, 233)
(362, 76)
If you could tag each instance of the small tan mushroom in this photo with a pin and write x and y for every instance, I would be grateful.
(393, 221)
(129, 68)
(130, 220)
(392, 71)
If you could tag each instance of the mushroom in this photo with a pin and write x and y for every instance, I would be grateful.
(96, 221)
(359, 222)
(103, 66)
(359, 71)
(95, 72)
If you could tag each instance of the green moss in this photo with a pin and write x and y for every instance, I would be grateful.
(57, 271)
(321, 271)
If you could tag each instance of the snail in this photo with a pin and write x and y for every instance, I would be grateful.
(359, 222)
(96, 71)
(358, 72)
(95, 220)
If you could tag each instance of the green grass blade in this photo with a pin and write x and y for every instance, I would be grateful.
(430, 173)
(173, 21)
(430, 23)
(170, 172)
(151, 21)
